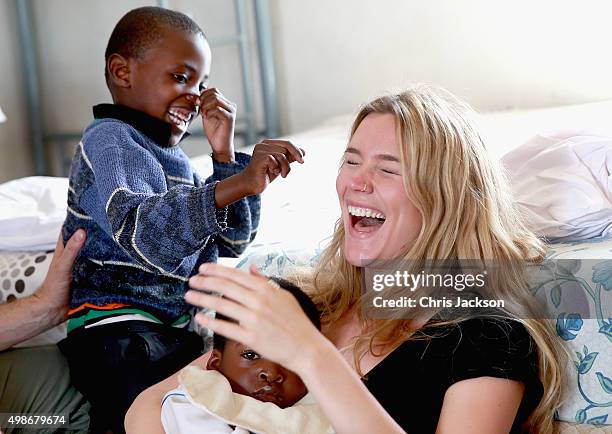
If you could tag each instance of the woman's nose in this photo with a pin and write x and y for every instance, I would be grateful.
(361, 181)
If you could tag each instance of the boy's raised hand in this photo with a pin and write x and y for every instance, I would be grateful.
(218, 119)
(270, 159)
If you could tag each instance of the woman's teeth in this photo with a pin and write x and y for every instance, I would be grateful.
(365, 212)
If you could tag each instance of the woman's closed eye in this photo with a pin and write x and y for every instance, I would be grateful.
(250, 355)
(389, 171)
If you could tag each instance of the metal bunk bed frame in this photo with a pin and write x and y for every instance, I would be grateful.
(245, 124)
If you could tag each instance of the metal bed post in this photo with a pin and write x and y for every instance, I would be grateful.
(30, 67)
(266, 65)
(247, 87)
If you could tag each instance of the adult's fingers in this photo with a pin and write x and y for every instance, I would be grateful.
(59, 248)
(228, 329)
(69, 252)
(229, 308)
(247, 280)
(227, 288)
(255, 271)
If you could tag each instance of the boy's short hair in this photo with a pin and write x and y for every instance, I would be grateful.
(307, 305)
(141, 28)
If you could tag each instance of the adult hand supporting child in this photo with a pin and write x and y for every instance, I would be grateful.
(270, 158)
(35, 380)
(48, 306)
(218, 120)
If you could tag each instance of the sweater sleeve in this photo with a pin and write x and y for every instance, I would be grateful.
(155, 225)
(242, 215)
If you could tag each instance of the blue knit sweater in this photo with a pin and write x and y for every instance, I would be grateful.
(150, 219)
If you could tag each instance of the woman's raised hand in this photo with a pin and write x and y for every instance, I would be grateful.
(268, 319)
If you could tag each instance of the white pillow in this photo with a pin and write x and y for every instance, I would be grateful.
(32, 212)
(564, 184)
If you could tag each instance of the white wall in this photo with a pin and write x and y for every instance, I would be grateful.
(15, 157)
(334, 54)
(331, 55)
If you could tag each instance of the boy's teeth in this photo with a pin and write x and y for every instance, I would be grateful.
(177, 117)
(365, 212)
(181, 116)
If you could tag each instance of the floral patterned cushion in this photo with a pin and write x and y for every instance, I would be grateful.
(569, 428)
(581, 302)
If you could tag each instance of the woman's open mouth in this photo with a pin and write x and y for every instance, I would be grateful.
(365, 220)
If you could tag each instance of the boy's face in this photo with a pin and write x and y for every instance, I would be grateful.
(250, 374)
(166, 83)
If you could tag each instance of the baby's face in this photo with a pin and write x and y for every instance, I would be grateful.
(250, 374)
(167, 82)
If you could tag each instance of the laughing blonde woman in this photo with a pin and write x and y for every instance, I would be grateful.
(417, 163)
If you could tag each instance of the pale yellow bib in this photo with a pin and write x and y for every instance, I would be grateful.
(211, 391)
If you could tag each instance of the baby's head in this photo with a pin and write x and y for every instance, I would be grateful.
(158, 61)
(250, 374)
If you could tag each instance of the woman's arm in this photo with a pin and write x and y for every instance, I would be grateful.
(273, 324)
(483, 405)
(48, 306)
(144, 415)
(341, 394)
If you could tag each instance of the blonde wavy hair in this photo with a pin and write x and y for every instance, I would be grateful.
(467, 213)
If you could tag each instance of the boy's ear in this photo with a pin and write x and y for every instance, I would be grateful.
(214, 360)
(118, 70)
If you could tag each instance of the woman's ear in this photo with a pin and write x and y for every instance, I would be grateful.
(214, 360)
(118, 70)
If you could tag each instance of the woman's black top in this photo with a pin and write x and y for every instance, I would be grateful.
(410, 383)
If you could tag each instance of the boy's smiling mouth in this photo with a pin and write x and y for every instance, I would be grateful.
(182, 116)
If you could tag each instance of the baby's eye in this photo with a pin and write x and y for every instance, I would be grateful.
(250, 355)
(203, 87)
(350, 162)
(180, 78)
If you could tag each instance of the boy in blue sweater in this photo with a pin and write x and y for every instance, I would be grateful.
(150, 219)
